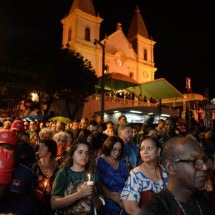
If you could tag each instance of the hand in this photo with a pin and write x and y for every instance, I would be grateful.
(85, 190)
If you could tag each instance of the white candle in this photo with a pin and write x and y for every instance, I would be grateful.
(89, 182)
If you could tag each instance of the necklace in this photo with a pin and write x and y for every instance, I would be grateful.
(184, 212)
(45, 168)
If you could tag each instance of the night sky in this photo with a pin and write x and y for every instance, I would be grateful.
(182, 31)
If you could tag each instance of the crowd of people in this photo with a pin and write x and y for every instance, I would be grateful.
(91, 167)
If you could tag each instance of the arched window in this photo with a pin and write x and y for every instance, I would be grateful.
(131, 74)
(87, 34)
(69, 34)
(145, 54)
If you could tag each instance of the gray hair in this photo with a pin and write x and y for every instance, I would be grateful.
(61, 134)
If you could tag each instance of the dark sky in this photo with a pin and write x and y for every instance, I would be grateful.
(182, 31)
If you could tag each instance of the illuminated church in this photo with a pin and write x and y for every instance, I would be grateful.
(130, 57)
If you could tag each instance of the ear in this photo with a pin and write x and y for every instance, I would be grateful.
(170, 167)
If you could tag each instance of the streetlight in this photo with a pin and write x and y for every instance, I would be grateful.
(102, 77)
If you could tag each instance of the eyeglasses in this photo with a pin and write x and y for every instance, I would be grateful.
(148, 148)
(61, 140)
(116, 149)
(197, 163)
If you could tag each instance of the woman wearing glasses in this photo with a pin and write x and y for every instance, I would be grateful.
(61, 138)
(111, 168)
(146, 179)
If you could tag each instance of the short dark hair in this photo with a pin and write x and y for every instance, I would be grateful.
(93, 123)
(51, 145)
(122, 116)
(109, 143)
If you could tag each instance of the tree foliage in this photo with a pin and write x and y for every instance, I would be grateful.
(55, 75)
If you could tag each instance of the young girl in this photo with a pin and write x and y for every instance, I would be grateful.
(71, 193)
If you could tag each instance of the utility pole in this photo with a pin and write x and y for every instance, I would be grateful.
(102, 78)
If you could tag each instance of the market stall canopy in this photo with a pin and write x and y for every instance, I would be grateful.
(158, 89)
(117, 81)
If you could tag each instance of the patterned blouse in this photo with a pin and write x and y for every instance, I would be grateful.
(137, 183)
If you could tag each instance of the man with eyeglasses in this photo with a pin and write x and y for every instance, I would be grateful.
(185, 193)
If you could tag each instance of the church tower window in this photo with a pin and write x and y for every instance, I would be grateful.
(87, 34)
(69, 35)
(131, 75)
(145, 54)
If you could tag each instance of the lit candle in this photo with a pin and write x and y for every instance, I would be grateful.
(45, 185)
(88, 177)
(89, 182)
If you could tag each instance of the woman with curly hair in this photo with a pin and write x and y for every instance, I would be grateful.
(72, 192)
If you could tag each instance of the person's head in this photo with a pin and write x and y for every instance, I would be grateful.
(125, 133)
(42, 125)
(47, 147)
(170, 125)
(25, 137)
(6, 124)
(110, 132)
(109, 124)
(122, 120)
(185, 163)
(150, 149)
(83, 135)
(99, 119)
(61, 138)
(75, 124)
(208, 134)
(60, 126)
(34, 138)
(7, 164)
(93, 127)
(152, 132)
(113, 146)
(134, 131)
(53, 126)
(79, 154)
(45, 133)
(18, 127)
(8, 140)
(25, 154)
(161, 124)
(33, 125)
(84, 123)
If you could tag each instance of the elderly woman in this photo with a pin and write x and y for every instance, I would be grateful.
(45, 133)
(113, 172)
(146, 179)
(62, 139)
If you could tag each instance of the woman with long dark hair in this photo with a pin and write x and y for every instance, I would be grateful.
(76, 187)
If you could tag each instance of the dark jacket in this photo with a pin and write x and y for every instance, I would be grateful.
(164, 203)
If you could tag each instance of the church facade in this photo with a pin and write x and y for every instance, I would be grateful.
(130, 56)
